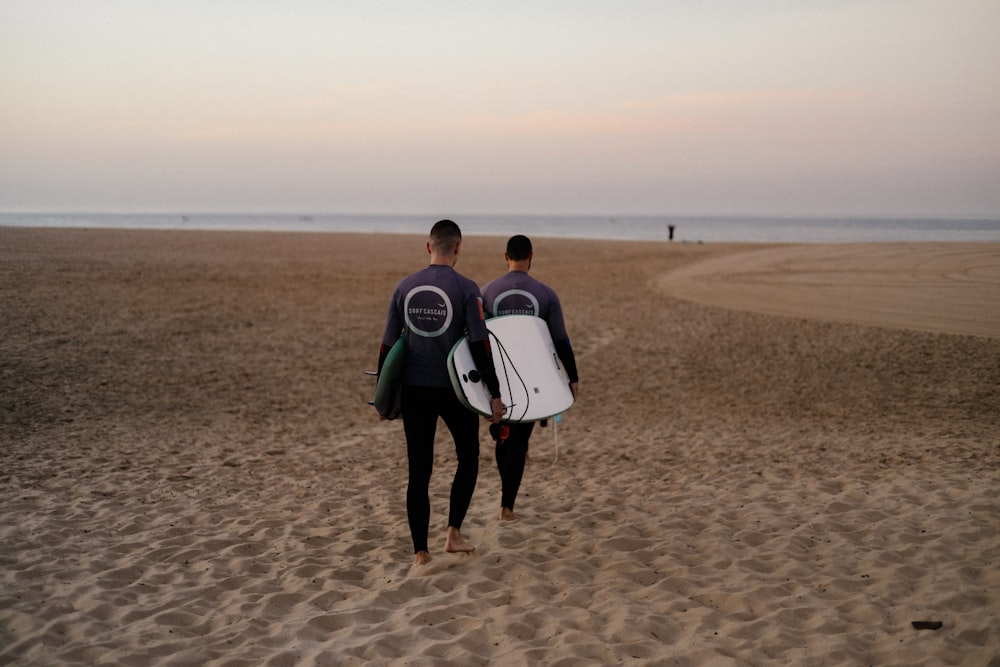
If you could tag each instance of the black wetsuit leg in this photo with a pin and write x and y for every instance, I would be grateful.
(510, 455)
(419, 424)
(421, 408)
(464, 427)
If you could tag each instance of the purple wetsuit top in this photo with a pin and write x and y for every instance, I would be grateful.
(517, 293)
(435, 306)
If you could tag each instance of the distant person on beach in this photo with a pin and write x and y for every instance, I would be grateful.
(517, 293)
(435, 307)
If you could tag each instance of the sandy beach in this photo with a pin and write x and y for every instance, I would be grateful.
(781, 455)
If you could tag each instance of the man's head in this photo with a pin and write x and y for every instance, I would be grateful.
(444, 239)
(519, 248)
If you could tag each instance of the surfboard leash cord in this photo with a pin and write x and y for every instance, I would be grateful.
(507, 363)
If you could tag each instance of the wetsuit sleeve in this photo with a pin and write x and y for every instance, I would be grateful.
(554, 318)
(566, 356)
(392, 331)
(383, 352)
(557, 328)
(479, 340)
(483, 356)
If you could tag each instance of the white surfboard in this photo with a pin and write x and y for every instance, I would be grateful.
(533, 382)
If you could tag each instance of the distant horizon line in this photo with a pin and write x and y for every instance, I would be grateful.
(437, 215)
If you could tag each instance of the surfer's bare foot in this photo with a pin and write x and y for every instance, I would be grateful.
(421, 558)
(455, 543)
(507, 514)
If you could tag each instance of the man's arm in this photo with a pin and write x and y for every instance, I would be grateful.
(482, 354)
(566, 356)
(383, 352)
(391, 332)
(568, 359)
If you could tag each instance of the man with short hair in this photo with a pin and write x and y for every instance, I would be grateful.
(435, 307)
(517, 293)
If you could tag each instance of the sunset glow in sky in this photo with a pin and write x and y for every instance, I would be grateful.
(832, 107)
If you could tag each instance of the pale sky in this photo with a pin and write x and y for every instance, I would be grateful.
(762, 107)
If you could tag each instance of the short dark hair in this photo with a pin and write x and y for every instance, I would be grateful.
(519, 248)
(445, 235)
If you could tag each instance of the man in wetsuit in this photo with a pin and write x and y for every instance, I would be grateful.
(517, 293)
(435, 307)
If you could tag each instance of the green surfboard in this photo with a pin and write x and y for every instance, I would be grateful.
(389, 388)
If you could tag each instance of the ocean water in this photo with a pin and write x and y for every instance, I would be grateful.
(690, 229)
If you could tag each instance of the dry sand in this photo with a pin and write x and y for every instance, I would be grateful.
(190, 475)
(939, 287)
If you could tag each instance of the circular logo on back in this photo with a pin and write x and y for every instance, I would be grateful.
(515, 302)
(427, 310)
